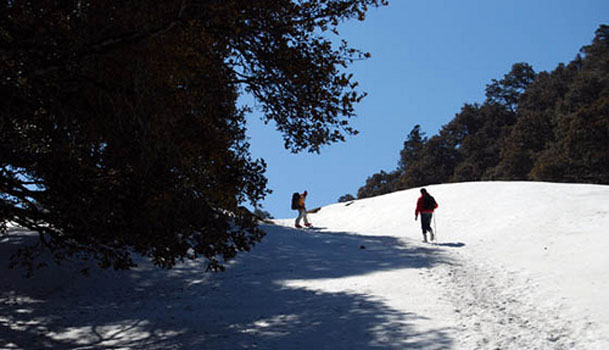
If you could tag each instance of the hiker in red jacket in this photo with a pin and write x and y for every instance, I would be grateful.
(426, 204)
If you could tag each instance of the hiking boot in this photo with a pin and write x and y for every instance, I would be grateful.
(307, 224)
(298, 226)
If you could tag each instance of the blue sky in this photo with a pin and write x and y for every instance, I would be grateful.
(429, 57)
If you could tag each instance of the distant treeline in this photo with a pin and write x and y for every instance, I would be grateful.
(532, 126)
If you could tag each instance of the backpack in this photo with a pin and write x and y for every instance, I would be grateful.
(295, 199)
(429, 203)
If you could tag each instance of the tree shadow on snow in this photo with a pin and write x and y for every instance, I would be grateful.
(246, 307)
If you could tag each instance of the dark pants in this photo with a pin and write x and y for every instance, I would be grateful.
(426, 222)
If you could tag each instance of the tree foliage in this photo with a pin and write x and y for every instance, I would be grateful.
(506, 92)
(378, 184)
(120, 131)
(578, 151)
(346, 198)
(409, 174)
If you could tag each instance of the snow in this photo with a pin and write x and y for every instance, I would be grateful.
(518, 265)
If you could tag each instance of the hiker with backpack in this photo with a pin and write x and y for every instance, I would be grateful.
(298, 203)
(426, 205)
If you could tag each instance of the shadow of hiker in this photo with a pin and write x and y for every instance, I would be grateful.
(451, 244)
(247, 306)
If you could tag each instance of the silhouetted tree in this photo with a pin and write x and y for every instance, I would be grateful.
(378, 184)
(346, 198)
(413, 146)
(507, 91)
(120, 130)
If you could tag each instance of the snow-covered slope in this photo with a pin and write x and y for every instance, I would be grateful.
(518, 266)
(529, 252)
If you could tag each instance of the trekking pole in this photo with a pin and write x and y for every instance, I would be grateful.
(435, 229)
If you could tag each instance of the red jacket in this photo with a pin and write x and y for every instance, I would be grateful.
(420, 209)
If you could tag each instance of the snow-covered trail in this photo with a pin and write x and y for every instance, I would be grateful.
(528, 261)
(498, 309)
(504, 276)
(473, 304)
(296, 290)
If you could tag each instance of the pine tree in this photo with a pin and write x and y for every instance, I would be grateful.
(534, 126)
(579, 152)
(413, 146)
(378, 184)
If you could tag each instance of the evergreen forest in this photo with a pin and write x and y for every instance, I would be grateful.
(537, 126)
